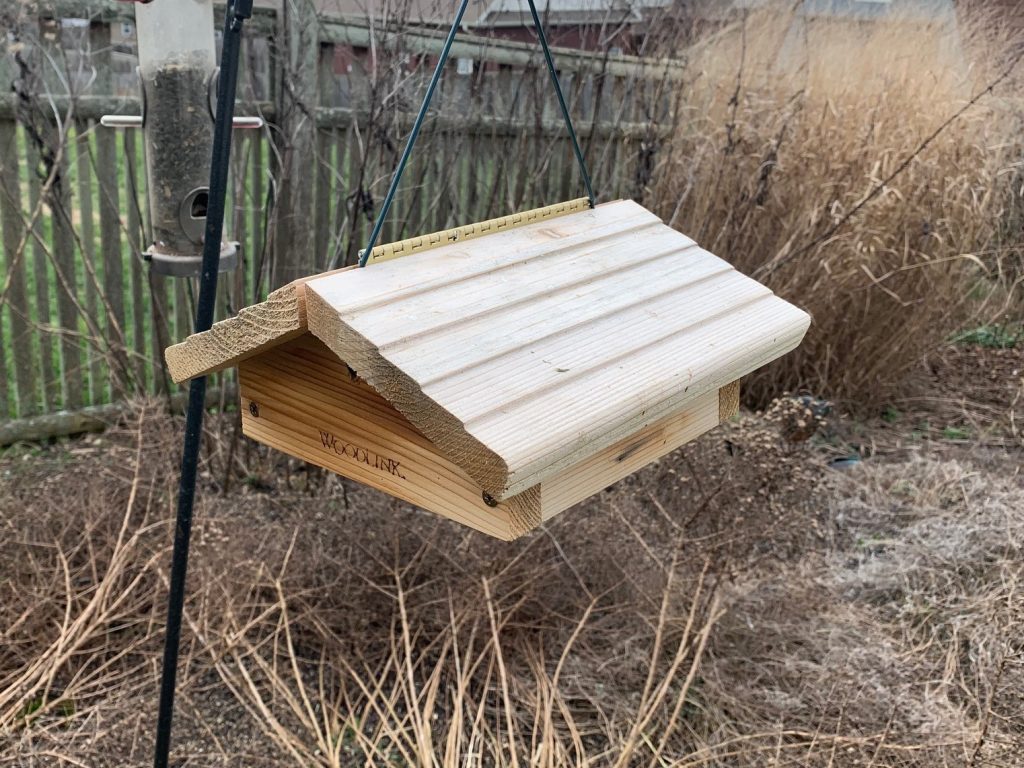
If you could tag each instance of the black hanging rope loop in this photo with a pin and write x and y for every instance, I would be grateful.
(364, 255)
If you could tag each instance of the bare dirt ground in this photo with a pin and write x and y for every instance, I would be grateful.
(854, 599)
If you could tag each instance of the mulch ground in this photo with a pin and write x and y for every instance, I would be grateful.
(964, 395)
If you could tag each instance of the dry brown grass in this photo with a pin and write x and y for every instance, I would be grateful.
(734, 604)
(332, 626)
(908, 645)
(866, 173)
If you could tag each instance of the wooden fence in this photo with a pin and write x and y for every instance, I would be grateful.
(84, 322)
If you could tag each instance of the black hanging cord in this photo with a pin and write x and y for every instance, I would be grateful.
(561, 103)
(237, 12)
(364, 255)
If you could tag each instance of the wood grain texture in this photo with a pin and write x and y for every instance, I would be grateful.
(256, 328)
(729, 401)
(282, 316)
(253, 330)
(629, 454)
(300, 398)
(526, 352)
(309, 405)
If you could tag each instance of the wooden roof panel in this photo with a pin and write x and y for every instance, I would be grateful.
(501, 259)
(527, 350)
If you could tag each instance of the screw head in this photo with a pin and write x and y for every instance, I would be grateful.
(254, 409)
(489, 500)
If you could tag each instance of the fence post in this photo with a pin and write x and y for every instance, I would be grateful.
(110, 216)
(297, 100)
(58, 197)
(17, 293)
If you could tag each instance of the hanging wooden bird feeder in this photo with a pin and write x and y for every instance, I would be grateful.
(500, 373)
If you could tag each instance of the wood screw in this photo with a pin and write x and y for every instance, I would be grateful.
(489, 500)
(254, 409)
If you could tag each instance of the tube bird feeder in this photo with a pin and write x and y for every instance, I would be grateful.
(177, 67)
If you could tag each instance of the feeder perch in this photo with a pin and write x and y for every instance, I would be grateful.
(501, 372)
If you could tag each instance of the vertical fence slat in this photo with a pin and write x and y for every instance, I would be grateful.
(110, 218)
(322, 202)
(160, 333)
(87, 237)
(113, 257)
(235, 284)
(336, 190)
(15, 263)
(68, 313)
(182, 313)
(256, 204)
(342, 150)
(240, 208)
(138, 278)
(616, 91)
(522, 145)
(64, 264)
(439, 181)
(571, 179)
(42, 268)
(322, 155)
(413, 208)
(351, 205)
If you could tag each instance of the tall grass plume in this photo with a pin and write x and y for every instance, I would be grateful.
(865, 171)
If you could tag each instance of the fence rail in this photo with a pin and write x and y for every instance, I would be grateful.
(83, 322)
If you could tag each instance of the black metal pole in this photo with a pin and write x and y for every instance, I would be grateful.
(237, 12)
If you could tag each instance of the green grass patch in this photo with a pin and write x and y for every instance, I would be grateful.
(891, 415)
(61, 708)
(992, 336)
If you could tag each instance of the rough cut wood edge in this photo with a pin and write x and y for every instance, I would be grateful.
(729, 401)
(281, 317)
(301, 399)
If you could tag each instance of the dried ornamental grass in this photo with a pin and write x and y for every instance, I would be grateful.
(735, 603)
(864, 172)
